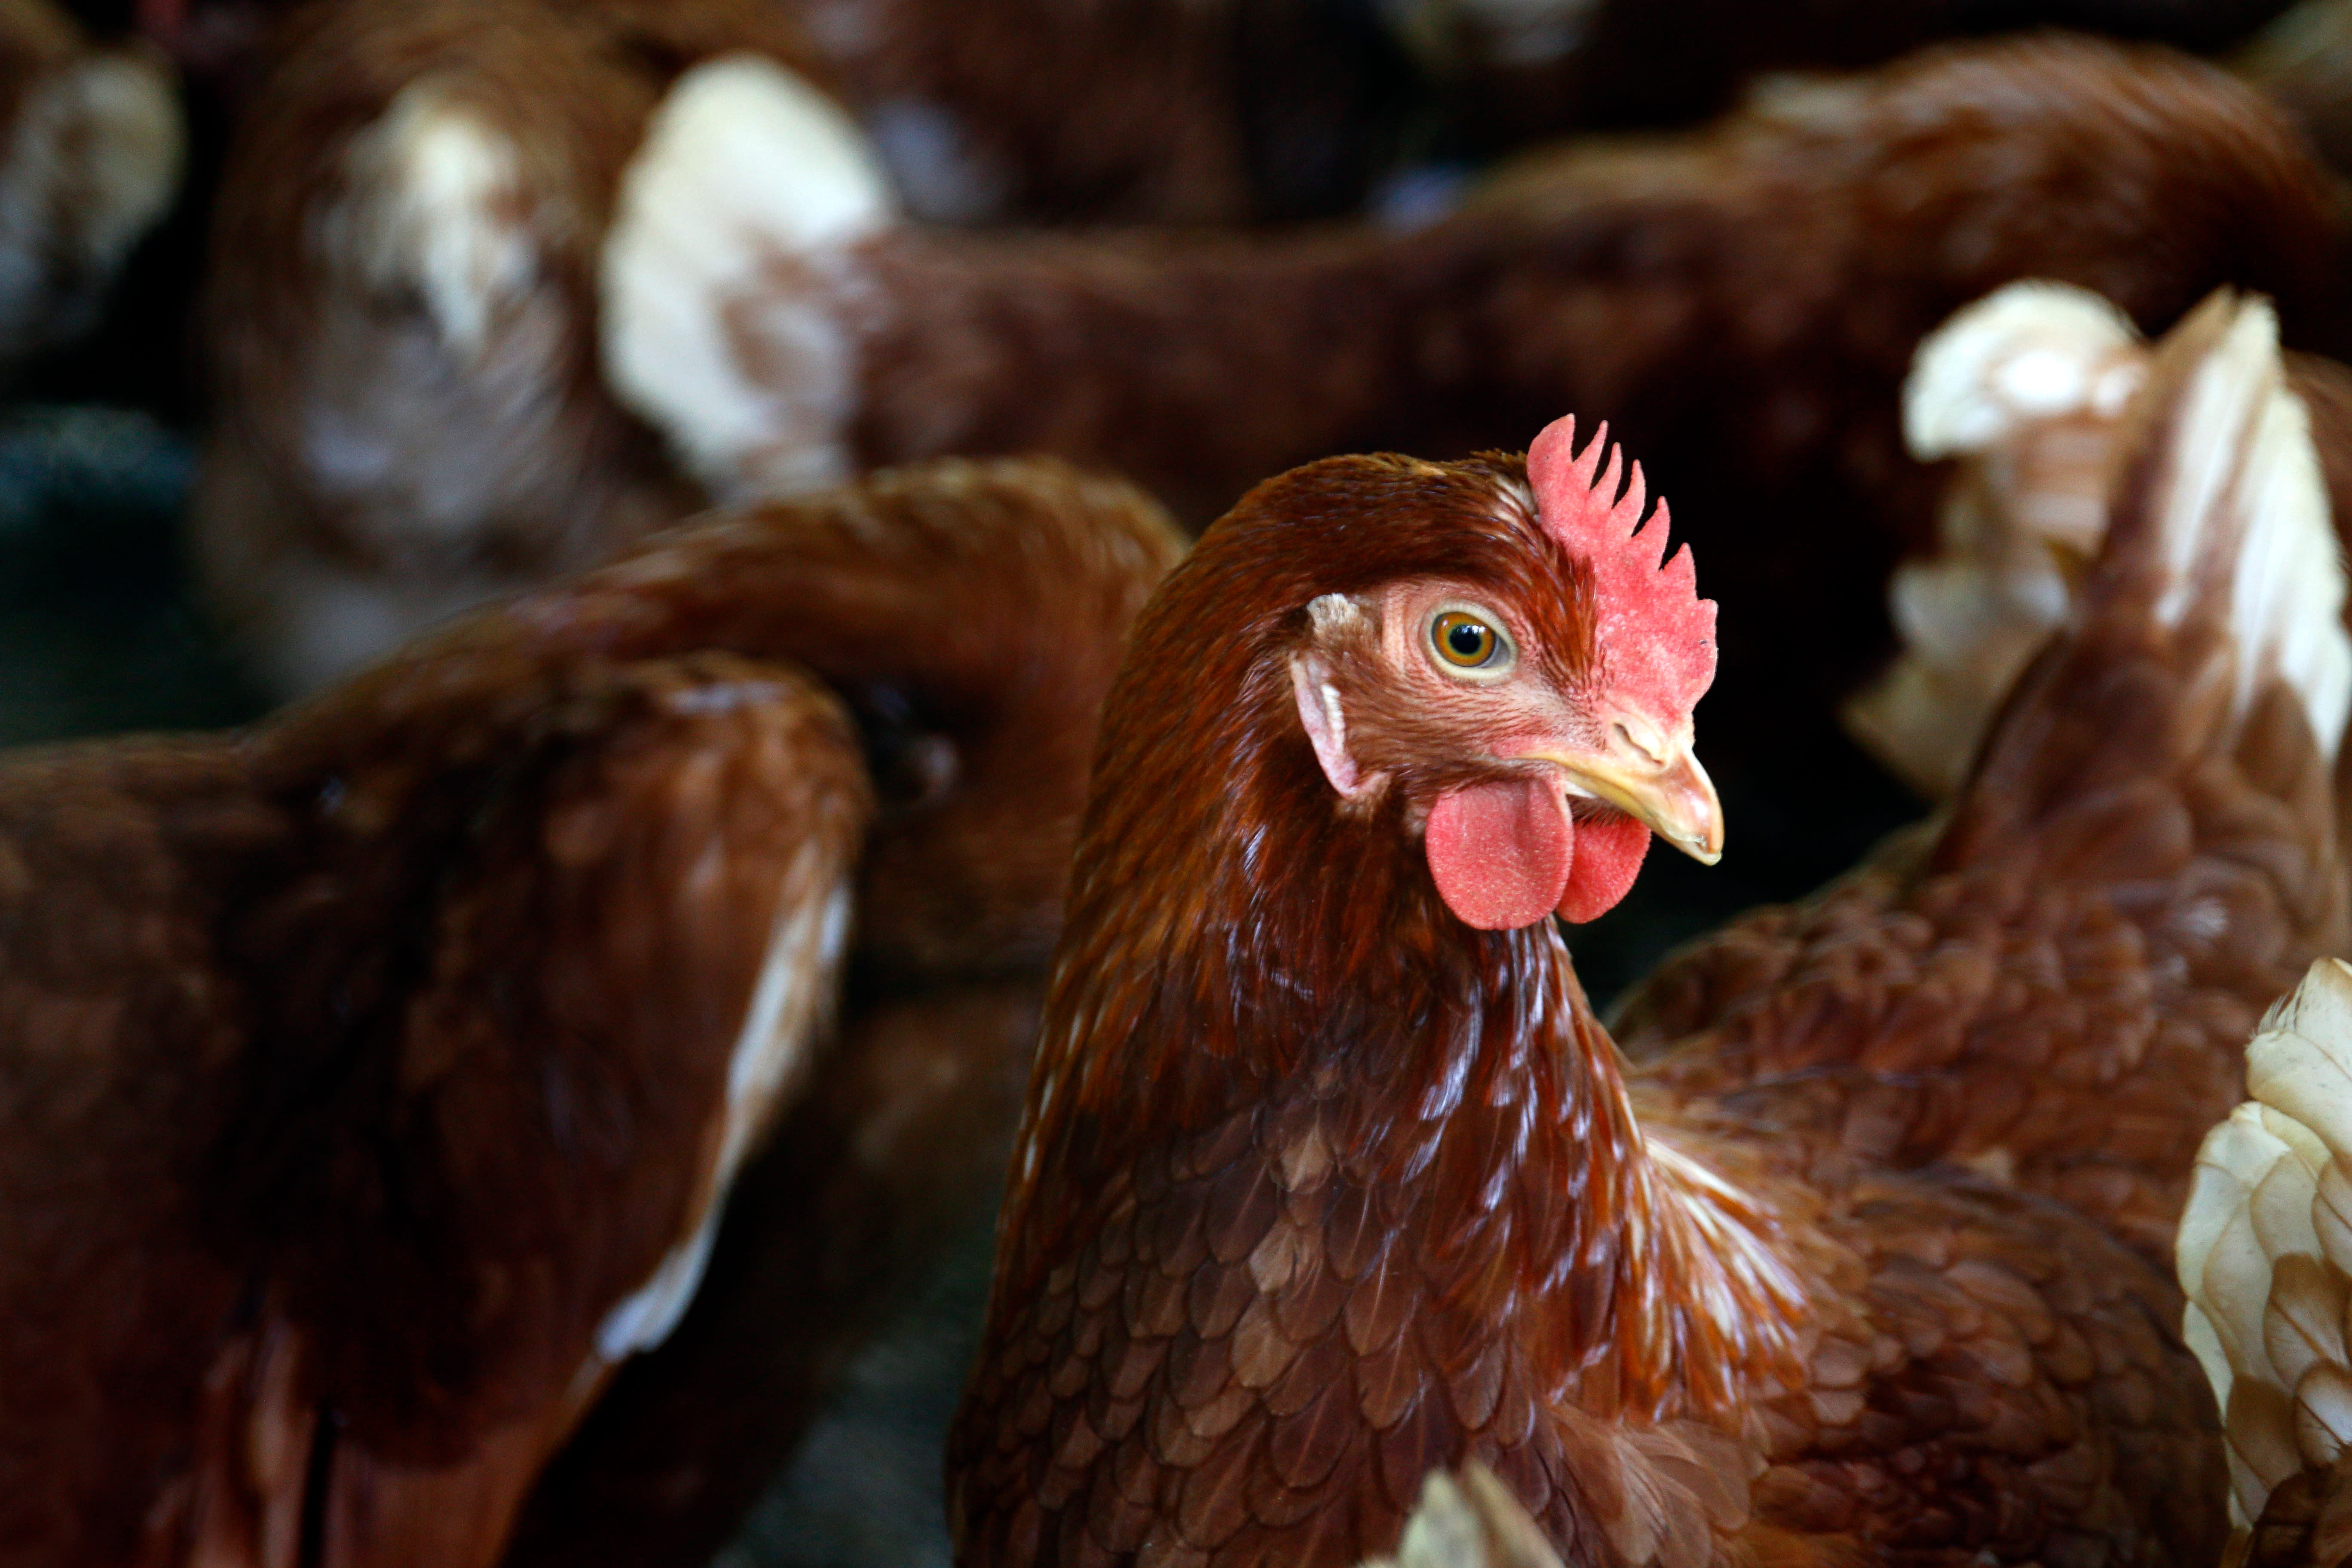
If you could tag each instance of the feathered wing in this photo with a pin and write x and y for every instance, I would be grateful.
(446, 1038)
(896, 1145)
(542, 963)
(622, 972)
(2053, 984)
(2265, 1255)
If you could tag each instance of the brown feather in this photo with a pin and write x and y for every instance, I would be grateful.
(392, 1047)
(1859, 1252)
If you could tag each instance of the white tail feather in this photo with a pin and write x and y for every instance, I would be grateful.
(438, 208)
(2243, 496)
(2265, 1245)
(729, 235)
(2027, 387)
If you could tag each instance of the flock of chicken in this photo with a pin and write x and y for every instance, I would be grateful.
(469, 1116)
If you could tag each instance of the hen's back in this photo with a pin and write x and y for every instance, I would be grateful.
(2053, 984)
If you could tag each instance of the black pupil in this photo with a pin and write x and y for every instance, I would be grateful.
(1466, 638)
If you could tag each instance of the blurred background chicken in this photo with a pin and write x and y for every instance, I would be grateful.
(1514, 70)
(1744, 302)
(1328, 1174)
(91, 147)
(410, 414)
(373, 1080)
(2026, 391)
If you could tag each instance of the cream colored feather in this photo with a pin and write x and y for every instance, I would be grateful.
(1469, 1521)
(2026, 389)
(2265, 1245)
(2033, 389)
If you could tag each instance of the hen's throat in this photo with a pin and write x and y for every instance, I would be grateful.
(1269, 1008)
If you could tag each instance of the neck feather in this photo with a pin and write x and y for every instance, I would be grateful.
(1241, 950)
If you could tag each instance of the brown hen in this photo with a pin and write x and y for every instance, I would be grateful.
(407, 413)
(1859, 1250)
(1514, 70)
(1742, 302)
(370, 1082)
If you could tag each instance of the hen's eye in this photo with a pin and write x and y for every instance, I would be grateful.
(1463, 640)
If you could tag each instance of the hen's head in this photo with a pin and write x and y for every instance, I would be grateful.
(1525, 684)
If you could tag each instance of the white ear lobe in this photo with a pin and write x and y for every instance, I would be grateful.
(1326, 722)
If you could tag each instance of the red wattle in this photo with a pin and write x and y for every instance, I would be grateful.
(1609, 852)
(1501, 852)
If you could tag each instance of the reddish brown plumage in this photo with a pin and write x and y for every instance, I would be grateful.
(356, 1069)
(359, 450)
(1858, 1253)
(1741, 303)
(899, 1145)
(1511, 72)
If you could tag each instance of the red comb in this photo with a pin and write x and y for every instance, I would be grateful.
(1656, 636)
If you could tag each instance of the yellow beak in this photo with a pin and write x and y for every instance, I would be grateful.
(1659, 784)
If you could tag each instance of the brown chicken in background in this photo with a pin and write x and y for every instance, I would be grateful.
(1511, 71)
(1791, 250)
(93, 142)
(373, 1079)
(1859, 1251)
(1744, 302)
(407, 413)
(2026, 393)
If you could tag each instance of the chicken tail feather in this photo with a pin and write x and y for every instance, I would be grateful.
(2023, 390)
(2205, 632)
(723, 269)
(2221, 509)
(2208, 474)
(2266, 1251)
